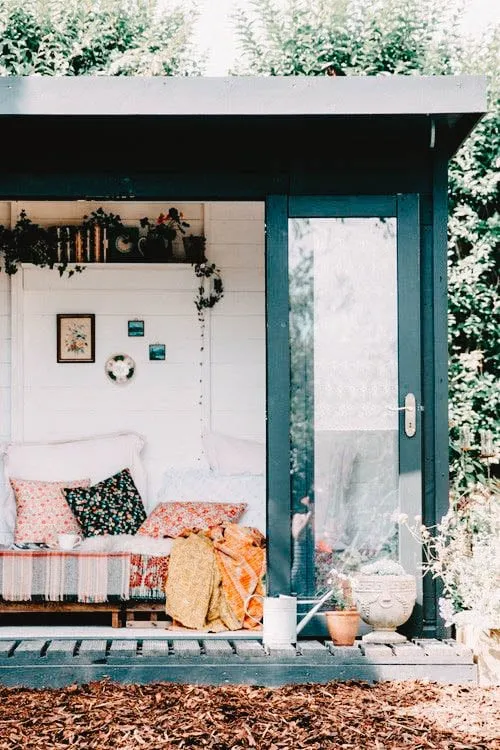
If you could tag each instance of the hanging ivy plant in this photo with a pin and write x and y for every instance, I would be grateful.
(210, 287)
(209, 291)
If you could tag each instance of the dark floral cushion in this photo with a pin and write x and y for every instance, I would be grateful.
(112, 506)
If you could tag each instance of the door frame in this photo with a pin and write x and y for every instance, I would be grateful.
(279, 209)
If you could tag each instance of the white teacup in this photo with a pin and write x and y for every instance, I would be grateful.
(68, 541)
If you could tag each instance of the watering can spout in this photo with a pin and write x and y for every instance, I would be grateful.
(301, 625)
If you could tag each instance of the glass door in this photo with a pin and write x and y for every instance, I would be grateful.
(353, 369)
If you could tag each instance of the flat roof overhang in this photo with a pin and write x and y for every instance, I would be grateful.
(175, 124)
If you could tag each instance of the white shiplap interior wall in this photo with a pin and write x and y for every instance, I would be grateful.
(64, 401)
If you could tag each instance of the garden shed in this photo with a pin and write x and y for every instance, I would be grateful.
(319, 377)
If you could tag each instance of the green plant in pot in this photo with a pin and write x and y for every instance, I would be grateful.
(194, 248)
(157, 242)
(342, 617)
(28, 242)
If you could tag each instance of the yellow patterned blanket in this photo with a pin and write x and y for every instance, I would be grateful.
(215, 579)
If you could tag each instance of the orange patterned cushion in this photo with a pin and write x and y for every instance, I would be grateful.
(42, 511)
(171, 519)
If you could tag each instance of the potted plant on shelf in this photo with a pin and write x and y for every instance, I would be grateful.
(157, 242)
(28, 242)
(194, 248)
(342, 617)
(384, 595)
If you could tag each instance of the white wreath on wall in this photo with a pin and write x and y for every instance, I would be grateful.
(120, 368)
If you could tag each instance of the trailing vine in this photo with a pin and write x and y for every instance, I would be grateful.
(210, 288)
(209, 291)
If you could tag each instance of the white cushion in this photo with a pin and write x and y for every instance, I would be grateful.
(204, 485)
(97, 457)
(230, 455)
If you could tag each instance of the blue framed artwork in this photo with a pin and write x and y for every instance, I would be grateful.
(156, 352)
(135, 328)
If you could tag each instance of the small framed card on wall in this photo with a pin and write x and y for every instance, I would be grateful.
(76, 337)
(135, 327)
(156, 352)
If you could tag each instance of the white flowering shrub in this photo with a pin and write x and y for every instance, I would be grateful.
(463, 551)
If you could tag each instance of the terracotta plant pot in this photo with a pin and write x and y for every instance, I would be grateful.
(342, 626)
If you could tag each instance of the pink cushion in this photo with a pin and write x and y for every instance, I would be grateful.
(170, 519)
(42, 511)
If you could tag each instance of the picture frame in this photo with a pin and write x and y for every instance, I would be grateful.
(157, 352)
(75, 337)
(135, 328)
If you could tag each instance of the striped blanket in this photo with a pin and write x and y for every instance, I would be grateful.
(53, 575)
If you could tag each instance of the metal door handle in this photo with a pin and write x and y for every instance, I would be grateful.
(410, 410)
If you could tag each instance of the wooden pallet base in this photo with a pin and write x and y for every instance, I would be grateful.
(114, 608)
(146, 615)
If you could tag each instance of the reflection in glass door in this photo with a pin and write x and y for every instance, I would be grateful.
(343, 281)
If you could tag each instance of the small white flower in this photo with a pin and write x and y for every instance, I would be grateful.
(447, 611)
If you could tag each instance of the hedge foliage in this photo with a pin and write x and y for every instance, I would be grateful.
(91, 37)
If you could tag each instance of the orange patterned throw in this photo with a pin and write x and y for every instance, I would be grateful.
(216, 579)
(241, 557)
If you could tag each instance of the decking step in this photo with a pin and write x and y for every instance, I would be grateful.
(38, 662)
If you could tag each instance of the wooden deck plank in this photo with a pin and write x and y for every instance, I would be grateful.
(61, 650)
(186, 648)
(93, 650)
(122, 648)
(218, 648)
(152, 649)
(314, 650)
(409, 653)
(285, 652)
(346, 654)
(29, 649)
(5, 648)
(441, 652)
(249, 649)
(378, 652)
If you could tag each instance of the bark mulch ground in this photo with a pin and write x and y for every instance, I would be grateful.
(385, 716)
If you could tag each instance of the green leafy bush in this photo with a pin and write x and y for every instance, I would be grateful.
(89, 37)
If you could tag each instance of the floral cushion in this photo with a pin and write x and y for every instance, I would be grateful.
(42, 511)
(171, 519)
(112, 506)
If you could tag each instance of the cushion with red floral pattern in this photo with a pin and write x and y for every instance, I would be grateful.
(173, 519)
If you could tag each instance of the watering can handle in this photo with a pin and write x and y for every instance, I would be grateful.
(313, 610)
(247, 613)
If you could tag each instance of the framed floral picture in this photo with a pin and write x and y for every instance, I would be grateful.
(76, 337)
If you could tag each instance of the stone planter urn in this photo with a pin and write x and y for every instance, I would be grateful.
(384, 600)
